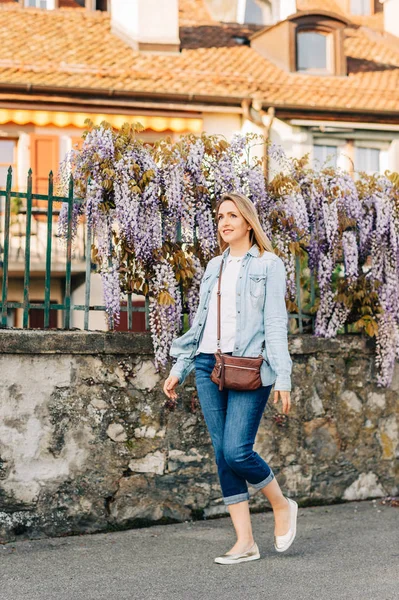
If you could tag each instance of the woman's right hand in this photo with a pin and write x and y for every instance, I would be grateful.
(169, 387)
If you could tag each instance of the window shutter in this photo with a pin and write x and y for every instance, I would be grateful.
(44, 155)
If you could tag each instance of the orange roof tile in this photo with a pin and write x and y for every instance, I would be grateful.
(76, 49)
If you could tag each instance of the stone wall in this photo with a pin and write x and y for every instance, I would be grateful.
(86, 445)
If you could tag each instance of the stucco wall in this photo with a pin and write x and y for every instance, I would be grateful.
(85, 444)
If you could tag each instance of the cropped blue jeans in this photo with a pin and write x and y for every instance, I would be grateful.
(232, 418)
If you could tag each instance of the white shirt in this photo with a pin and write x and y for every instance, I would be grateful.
(208, 342)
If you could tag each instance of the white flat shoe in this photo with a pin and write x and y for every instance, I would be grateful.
(233, 559)
(283, 542)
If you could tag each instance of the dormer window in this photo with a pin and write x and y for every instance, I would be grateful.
(313, 52)
(309, 42)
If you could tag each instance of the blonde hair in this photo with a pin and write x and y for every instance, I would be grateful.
(247, 209)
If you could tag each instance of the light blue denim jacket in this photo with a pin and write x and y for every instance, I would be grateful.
(261, 315)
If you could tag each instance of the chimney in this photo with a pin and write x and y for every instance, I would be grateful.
(391, 16)
(148, 25)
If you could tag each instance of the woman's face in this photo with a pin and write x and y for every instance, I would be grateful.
(232, 226)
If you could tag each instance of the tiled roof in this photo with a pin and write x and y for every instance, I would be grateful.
(75, 49)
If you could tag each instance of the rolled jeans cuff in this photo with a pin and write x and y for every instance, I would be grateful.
(236, 498)
(264, 482)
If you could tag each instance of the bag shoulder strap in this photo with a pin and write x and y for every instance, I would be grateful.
(219, 306)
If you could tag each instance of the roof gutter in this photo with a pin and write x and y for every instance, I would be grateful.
(196, 102)
(157, 99)
(62, 103)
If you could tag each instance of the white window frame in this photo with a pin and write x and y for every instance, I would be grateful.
(370, 147)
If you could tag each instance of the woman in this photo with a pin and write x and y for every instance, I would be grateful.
(253, 320)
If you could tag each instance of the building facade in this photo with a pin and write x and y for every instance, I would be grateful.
(317, 77)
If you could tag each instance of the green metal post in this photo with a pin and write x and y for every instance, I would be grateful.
(25, 320)
(129, 311)
(312, 295)
(47, 284)
(178, 231)
(7, 216)
(111, 320)
(88, 275)
(298, 292)
(147, 313)
(67, 317)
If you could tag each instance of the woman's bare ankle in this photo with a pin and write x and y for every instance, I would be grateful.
(242, 545)
(283, 504)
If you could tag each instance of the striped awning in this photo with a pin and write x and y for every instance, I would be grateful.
(77, 119)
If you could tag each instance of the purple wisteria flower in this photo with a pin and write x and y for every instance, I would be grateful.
(192, 294)
(137, 202)
(351, 254)
(77, 211)
(204, 221)
(111, 292)
(165, 316)
(172, 181)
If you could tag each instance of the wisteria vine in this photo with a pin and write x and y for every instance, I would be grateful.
(151, 209)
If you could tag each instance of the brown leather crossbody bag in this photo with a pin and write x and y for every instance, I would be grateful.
(234, 372)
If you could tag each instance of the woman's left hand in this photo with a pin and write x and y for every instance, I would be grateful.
(285, 399)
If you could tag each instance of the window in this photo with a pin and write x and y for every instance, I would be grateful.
(251, 11)
(367, 160)
(313, 52)
(360, 7)
(324, 156)
(8, 152)
(37, 3)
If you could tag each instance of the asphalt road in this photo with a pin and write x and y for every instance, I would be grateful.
(346, 551)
